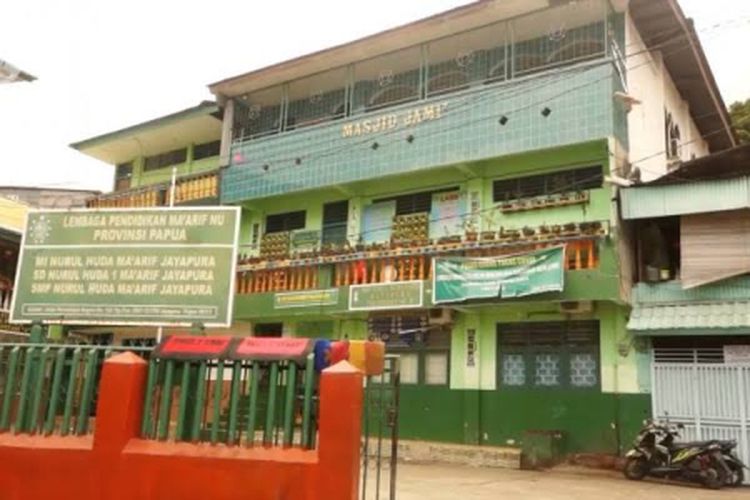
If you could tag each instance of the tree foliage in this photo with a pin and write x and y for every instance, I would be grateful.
(740, 113)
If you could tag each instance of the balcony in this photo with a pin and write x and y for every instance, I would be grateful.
(468, 97)
(196, 189)
(408, 261)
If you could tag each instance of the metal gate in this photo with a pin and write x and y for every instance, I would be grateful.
(696, 388)
(380, 434)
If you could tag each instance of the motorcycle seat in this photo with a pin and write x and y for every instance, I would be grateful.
(696, 444)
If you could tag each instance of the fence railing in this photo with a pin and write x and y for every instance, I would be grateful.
(237, 403)
(189, 188)
(380, 432)
(579, 255)
(6, 297)
(51, 388)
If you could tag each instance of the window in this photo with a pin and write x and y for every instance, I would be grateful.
(139, 342)
(268, 329)
(414, 203)
(101, 339)
(335, 216)
(288, 221)
(549, 354)
(207, 150)
(424, 352)
(436, 368)
(672, 136)
(124, 170)
(409, 368)
(123, 174)
(165, 159)
(547, 184)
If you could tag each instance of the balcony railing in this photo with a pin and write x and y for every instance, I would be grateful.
(6, 297)
(191, 189)
(409, 262)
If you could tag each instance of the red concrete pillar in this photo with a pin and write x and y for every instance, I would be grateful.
(340, 428)
(120, 405)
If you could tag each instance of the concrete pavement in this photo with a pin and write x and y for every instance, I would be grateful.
(441, 482)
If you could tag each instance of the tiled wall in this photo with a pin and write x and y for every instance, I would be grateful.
(579, 99)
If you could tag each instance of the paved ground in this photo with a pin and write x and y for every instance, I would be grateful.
(440, 482)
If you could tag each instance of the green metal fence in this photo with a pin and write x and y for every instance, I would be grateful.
(380, 433)
(236, 403)
(51, 388)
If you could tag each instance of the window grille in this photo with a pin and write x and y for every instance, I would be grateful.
(164, 160)
(206, 150)
(289, 221)
(549, 354)
(579, 179)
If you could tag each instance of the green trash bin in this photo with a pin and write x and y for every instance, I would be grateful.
(541, 448)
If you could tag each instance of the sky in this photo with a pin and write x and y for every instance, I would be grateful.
(104, 65)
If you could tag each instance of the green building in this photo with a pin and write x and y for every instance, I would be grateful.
(496, 129)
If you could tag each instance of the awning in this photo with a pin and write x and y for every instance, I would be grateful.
(717, 318)
(649, 201)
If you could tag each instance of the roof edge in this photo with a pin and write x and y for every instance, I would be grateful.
(460, 10)
(204, 108)
(705, 69)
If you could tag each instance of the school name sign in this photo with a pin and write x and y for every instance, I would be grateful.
(170, 266)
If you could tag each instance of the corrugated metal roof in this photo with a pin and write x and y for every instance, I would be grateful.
(706, 316)
(688, 198)
(672, 292)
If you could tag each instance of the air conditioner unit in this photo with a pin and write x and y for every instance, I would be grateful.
(441, 316)
(576, 307)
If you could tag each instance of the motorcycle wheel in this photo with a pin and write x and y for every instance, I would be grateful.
(636, 468)
(712, 479)
(736, 476)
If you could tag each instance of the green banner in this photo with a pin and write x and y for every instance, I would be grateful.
(457, 279)
(399, 295)
(311, 298)
(170, 266)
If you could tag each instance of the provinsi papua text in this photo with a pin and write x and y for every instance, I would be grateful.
(142, 227)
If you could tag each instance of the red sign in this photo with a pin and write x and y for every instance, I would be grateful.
(193, 347)
(272, 349)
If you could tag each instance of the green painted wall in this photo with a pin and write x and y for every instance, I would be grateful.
(162, 175)
(471, 409)
(431, 413)
(472, 178)
(579, 285)
(596, 420)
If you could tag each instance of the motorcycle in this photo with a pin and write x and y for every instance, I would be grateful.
(655, 453)
(736, 468)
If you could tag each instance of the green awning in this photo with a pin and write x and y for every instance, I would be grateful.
(718, 318)
(645, 202)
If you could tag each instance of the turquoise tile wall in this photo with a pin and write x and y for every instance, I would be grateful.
(579, 98)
